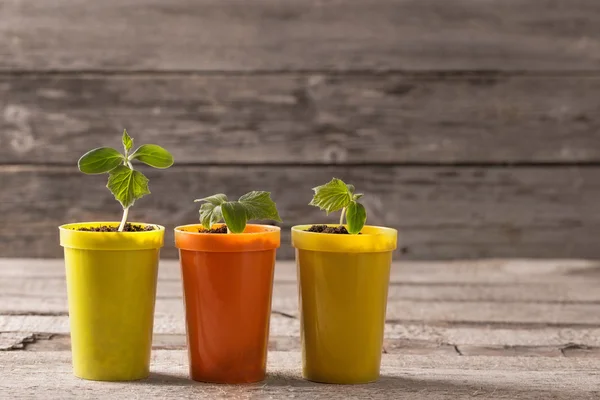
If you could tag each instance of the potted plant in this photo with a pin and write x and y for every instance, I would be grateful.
(343, 274)
(111, 270)
(227, 272)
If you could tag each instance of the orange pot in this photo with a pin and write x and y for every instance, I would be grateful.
(228, 285)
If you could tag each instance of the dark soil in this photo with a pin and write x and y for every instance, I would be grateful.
(221, 229)
(328, 229)
(128, 228)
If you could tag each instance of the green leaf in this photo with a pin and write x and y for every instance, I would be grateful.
(235, 216)
(127, 141)
(356, 216)
(216, 199)
(100, 160)
(259, 205)
(332, 196)
(127, 185)
(210, 214)
(153, 155)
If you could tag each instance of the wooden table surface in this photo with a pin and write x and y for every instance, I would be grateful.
(506, 329)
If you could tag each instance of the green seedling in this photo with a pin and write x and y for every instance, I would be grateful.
(335, 196)
(236, 214)
(125, 183)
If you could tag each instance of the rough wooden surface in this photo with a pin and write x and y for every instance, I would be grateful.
(463, 353)
(304, 118)
(422, 104)
(267, 35)
(440, 212)
(431, 377)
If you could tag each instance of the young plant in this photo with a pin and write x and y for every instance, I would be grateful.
(253, 205)
(335, 196)
(125, 183)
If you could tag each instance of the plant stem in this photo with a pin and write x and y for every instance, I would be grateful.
(343, 215)
(125, 213)
(125, 210)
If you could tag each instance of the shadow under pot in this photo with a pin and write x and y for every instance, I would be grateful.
(343, 286)
(228, 286)
(111, 285)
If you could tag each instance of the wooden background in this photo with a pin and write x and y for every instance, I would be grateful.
(471, 125)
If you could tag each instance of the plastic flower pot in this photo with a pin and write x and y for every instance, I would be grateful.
(343, 286)
(111, 284)
(228, 285)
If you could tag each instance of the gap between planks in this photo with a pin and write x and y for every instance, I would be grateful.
(62, 342)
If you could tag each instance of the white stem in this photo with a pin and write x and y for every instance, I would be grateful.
(343, 215)
(124, 220)
(125, 210)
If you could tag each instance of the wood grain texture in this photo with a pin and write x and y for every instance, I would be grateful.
(285, 302)
(485, 273)
(267, 35)
(435, 376)
(17, 293)
(477, 328)
(415, 339)
(463, 334)
(43, 296)
(304, 118)
(62, 342)
(440, 212)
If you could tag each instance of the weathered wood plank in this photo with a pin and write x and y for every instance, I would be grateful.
(528, 281)
(304, 118)
(268, 35)
(503, 273)
(62, 342)
(440, 212)
(48, 297)
(475, 334)
(477, 312)
(437, 377)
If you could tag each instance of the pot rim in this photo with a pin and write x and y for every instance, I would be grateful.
(259, 238)
(373, 239)
(70, 237)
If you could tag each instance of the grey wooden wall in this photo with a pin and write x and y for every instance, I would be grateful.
(472, 126)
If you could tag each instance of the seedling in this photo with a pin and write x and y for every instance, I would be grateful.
(335, 196)
(125, 183)
(236, 214)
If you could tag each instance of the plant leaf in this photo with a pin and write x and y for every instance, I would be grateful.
(127, 185)
(235, 216)
(100, 160)
(356, 216)
(127, 141)
(259, 205)
(153, 155)
(210, 214)
(332, 196)
(216, 199)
